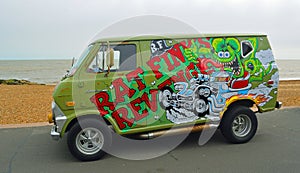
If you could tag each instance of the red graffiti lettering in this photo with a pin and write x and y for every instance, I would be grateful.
(176, 51)
(204, 42)
(167, 82)
(161, 66)
(152, 104)
(188, 73)
(187, 43)
(169, 59)
(134, 76)
(101, 99)
(121, 90)
(179, 77)
(193, 70)
(155, 66)
(120, 116)
(136, 107)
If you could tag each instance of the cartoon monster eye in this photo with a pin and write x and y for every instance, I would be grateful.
(251, 66)
(221, 54)
(226, 54)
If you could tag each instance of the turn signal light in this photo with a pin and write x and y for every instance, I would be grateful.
(50, 118)
(70, 104)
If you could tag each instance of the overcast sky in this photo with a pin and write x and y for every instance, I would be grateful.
(60, 29)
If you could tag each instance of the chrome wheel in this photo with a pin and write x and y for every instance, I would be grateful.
(89, 141)
(241, 125)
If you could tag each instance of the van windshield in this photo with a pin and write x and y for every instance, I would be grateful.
(79, 60)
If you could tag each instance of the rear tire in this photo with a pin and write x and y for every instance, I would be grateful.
(88, 138)
(239, 124)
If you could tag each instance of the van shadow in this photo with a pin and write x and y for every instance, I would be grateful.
(137, 151)
(193, 140)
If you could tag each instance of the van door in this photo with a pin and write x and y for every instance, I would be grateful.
(155, 66)
(115, 85)
(181, 97)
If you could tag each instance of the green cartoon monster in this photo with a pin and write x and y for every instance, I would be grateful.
(240, 58)
(237, 57)
(253, 65)
(198, 50)
(227, 52)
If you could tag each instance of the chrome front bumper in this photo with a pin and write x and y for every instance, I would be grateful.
(54, 134)
(59, 120)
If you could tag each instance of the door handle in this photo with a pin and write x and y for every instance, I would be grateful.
(80, 84)
(135, 78)
(94, 91)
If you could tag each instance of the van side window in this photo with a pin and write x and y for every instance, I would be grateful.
(124, 58)
(247, 48)
(127, 60)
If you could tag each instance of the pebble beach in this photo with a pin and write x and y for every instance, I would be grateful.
(24, 104)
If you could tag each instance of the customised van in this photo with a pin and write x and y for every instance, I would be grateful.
(149, 86)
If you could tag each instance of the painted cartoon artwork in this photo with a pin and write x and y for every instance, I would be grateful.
(191, 101)
(192, 79)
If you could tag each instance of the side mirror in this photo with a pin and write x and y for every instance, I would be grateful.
(73, 61)
(110, 58)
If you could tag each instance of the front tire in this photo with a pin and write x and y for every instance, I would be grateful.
(88, 139)
(239, 124)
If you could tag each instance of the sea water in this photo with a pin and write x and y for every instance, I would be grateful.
(51, 71)
(40, 71)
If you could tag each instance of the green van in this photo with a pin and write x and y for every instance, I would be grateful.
(147, 86)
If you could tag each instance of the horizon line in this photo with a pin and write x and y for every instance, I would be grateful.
(20, 59)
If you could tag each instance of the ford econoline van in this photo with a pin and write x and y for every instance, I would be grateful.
(147, 86)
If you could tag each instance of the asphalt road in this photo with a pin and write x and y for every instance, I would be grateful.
(275, 148)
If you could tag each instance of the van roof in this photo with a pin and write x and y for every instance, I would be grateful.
(177, 36)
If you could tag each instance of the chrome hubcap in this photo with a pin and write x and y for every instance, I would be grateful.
(241, 125)
(89, 141)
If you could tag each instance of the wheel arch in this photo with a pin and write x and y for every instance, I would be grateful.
(242, 102)
(89, 116)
